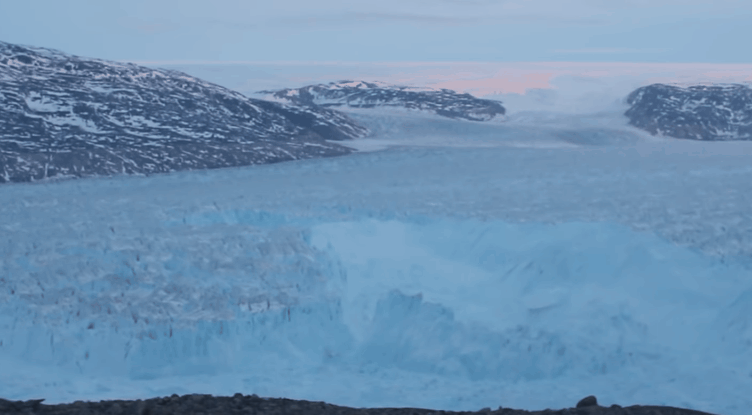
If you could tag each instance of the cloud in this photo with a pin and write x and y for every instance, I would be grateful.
(346, 30)
(599, 51)
(154, 28)
(456, 19)
(378, 17)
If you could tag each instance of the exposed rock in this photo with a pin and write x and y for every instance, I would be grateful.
(67, 116)
(587, 401)
(244, 404)
(695, 112)
(360, 94)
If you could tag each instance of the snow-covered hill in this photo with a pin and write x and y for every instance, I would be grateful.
(360, 94)
(697, 112)
(63, 115)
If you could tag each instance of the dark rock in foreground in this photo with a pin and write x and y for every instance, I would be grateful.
(359, 94)
(240, 404)
(66, 116)
(587, 401)
(695, 112)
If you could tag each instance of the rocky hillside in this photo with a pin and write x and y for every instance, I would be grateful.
(359, 94)
(253, 404)
(67, 116)
(694, 112)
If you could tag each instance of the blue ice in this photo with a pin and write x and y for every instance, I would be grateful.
(440, 272)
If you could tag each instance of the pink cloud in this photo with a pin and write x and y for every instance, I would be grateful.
(501, 78)
(587, 82)
(507, 82)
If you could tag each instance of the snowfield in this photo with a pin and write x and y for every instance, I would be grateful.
(461, 266)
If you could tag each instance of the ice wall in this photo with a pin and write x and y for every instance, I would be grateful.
(434, 273)
(571, 305)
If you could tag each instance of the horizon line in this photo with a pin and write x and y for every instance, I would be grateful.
(416, 63)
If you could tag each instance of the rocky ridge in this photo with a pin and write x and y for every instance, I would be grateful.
(244, 404)
(67, 116)
(698, 112)
(359, 94)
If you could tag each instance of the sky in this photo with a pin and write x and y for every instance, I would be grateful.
(657, 31)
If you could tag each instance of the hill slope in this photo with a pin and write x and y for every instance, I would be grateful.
(360, 94)
(696, 112)
(62, 115)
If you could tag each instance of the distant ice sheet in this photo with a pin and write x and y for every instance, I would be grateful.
(392, 127)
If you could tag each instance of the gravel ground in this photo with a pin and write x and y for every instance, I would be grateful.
(244, 404)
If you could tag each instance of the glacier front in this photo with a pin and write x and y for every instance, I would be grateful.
(462, 266)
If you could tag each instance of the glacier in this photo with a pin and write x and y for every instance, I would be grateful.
(455, 266)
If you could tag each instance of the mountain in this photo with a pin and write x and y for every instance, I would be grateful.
(360, 94)
(67, 116)
(696, 112)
